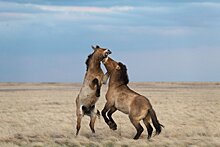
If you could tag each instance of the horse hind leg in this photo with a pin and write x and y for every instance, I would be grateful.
(92, 122)
(111, 122)
(93, 119)
(138, 127)
(92, 114)
(78, 126)
(148, 126)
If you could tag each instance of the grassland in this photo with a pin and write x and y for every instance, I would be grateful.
(43, 114)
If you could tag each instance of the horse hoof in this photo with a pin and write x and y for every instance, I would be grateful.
(93, 131)
(136, 138)
(113, 126)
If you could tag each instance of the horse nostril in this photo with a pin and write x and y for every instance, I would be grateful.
(109, 52)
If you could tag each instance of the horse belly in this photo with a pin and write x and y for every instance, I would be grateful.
(122, 106)
(87, 96)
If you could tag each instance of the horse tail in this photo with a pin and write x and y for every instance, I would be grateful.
(156, 123)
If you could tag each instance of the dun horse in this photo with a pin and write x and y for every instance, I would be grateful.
(90, 91)
(120, 97)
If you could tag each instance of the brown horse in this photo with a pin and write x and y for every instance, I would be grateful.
(90, 91)
(120, 97)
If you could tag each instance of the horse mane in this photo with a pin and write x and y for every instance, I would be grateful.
(123, 77)
(88, 60)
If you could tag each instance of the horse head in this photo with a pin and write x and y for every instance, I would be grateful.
(116, 70)
(101, 53)
(97, 56)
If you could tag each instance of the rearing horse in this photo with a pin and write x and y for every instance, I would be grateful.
(120, 97)
(90, 91)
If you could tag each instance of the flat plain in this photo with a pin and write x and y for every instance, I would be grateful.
(43, 114)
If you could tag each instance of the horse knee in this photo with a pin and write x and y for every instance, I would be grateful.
(105, 109)
(111, 111)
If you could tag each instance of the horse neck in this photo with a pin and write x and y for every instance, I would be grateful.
(95, 65)
(113, 82)
(91, 73)
(110, 65)
(110, 69)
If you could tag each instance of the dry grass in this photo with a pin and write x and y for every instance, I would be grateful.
(44, 115)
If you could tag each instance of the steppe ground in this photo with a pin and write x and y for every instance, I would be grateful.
(43, 114)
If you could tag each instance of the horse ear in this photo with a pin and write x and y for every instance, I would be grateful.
(118, 67)
(93, 48)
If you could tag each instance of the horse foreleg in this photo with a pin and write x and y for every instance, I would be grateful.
(78, 126)
(95, 84)
(104, 111)
(138, 127)
(111, 122)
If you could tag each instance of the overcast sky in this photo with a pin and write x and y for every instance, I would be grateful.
(158, 40)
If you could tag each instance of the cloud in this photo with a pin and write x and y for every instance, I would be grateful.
(14, 11)
(8, 16)
(206, 4)
(87, 9)
(146, 30)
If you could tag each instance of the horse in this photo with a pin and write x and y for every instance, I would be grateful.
(90, 90)
(120, 97)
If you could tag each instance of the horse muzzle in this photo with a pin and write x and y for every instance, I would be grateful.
(108, 52)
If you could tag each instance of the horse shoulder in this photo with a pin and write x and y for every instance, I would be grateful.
(122, 100)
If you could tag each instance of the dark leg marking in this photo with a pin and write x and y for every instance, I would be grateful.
(111, 122)
(138, 127)
(149, 128)
(104, 111)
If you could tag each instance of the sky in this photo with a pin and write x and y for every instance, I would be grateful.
(158, 40)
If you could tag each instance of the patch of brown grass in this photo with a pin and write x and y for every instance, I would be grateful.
(36, 114)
